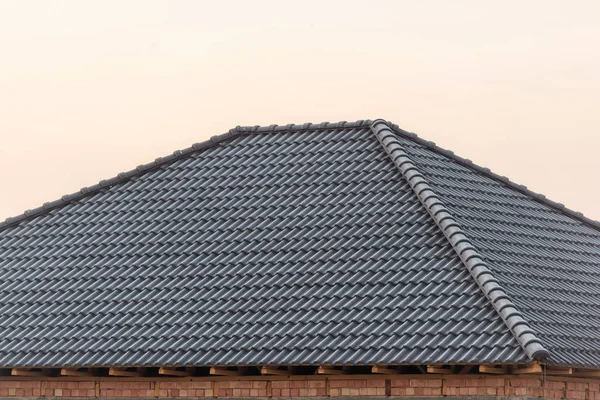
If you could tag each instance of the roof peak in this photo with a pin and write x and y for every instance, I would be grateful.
(255, 129)
(306, 126)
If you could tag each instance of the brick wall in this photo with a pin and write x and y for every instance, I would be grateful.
(307, 386)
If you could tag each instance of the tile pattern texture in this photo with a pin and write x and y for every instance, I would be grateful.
(547, 261)
(271, 248)
(298, 245)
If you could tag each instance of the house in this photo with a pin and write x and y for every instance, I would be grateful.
(344, 259)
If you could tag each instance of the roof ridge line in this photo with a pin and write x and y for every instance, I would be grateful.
(470, 257)
(176, 155)
(306, 126)
(503, 179)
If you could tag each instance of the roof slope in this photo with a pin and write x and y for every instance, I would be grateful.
(319, 244)
(548, 261)
(301, 245)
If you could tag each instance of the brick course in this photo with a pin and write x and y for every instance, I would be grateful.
(309, 386)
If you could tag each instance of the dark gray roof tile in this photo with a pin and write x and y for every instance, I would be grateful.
(547, 258)
(301, 245)
(293, 244)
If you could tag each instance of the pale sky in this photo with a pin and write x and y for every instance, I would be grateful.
(92, 88)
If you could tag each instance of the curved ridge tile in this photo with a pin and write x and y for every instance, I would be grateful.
(490, 286)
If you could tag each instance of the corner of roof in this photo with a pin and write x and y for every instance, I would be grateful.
(489, 285)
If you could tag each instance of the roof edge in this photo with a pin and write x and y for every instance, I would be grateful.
(475, 264)
(177, 155)
(503, 179)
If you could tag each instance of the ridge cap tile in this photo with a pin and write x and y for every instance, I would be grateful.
(472, 260)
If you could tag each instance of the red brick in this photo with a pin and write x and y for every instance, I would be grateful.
(481, 391)
(243, 385)
(433, 383)
(556, 394)
(575, 394)
(400, 383)
(576, 386)
(280, 384)
(555, 385)
(418, 383)
(86, 385)
(337, 383)
(520, 391)
(317, 384)
(373, 383)
(298, 384)
(535, 392)
(534, 383)
(472, 382)
(259, 384)
(199, 384)
(373, 391)
(455, 382)
(357, 383)
(530, 386)
(492, 382)
(448, 391)
(163, 385)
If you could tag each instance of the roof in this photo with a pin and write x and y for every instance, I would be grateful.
(345, 243)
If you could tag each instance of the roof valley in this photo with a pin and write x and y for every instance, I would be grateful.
(470, 257)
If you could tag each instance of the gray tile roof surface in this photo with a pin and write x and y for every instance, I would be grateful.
(462, 245)
(547, 261)
(298, 244)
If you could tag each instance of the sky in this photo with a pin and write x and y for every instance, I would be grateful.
(92, 88)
